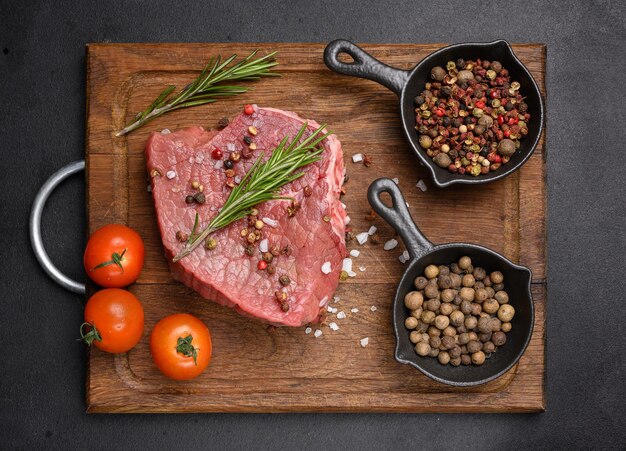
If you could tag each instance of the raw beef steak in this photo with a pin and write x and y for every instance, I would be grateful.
(315, 235)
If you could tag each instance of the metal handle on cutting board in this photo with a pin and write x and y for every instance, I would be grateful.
(35, 227)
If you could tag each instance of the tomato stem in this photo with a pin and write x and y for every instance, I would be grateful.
(116, 259)
(184, 346)
(90, 336)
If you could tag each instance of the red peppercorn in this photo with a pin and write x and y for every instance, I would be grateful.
(513, 120)
(500, 119)
(262, 265)
(461, 170)
(440, 112)
(480, 104)
(498, 159)
(507, 133)
(216, 154)
(248, 109)
(494, 94)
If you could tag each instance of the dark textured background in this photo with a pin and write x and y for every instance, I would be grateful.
(42, 114)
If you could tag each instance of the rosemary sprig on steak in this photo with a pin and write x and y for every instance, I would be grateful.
(205, 88)
(262, 183)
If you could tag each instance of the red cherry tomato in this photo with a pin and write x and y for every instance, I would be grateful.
(115, 319)
(181, 346)
(114, 256)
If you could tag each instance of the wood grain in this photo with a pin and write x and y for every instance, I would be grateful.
(254, 370)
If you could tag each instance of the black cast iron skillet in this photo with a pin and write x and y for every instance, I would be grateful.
(409, 84)
(423, 253)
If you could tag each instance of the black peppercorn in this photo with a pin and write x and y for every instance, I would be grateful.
(228, 164)
(189, 199)
(419, 100)
(460, 64)
(247, 140)
(199, 197)
(509, 106)
(522, 107)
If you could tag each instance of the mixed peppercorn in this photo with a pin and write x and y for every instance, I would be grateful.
(471, 117)
(458, 313)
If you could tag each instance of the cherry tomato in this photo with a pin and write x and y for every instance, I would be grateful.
(115, 319)
(114, 256)
(181, 346)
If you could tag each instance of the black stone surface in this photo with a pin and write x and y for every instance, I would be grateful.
(42, 114)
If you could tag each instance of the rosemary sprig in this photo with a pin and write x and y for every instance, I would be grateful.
(204, 89)
(262, 183)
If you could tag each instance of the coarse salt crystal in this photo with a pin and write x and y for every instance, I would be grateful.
(362, 238)
(346, 265)
(237, 179)
(343, 205)
(333, 326)
(372, 230)
(329, 309)
(391, 244)
(149, 188)
(356, 158)
(191, 159)
(218, 164)
(170, 174)
(404, 257)
(396, 180)
(270, 222)
(407, 204)
(354, 310)
(362, 268)
(364, 341)
(199, 158)
(346, 220)
(421, 185)
(336, 299)
(373, 308)
(317, 333)
(165, 131)
(264, 245)
(326, 268)
(355, 253)
(351, 274)
(231, 147)
(308, 330)
(341, 315)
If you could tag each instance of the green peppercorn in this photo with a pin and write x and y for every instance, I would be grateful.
(425, 141)
(210, 243)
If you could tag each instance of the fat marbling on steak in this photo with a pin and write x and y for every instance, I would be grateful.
(315, 234)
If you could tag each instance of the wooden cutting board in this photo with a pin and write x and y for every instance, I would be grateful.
(285, 370)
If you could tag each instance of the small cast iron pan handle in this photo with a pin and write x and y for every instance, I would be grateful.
(364, 65)
(398, 216)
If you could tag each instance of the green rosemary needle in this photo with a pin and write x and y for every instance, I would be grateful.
(261, 183)
(205, 89)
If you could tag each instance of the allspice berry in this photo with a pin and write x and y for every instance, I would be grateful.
(420, 282)
(449, 331)
(463, 338)
(484, 324)
(457, 318)
(431, 271)
(428, 317)
(480, 295)
(471, 322)
(467, 294)
(410, 322)
(431, 291)
(496, 277)
(465, 262)
(506, 327)
(446, 309)
(441, 322)
(442, 160)
(448, 342)
(498, 338)
(422, 349)
(489, 347)
(455, 352)
(466, 359)
(456, 361)
(474, 346)
(491, 306)
(444, 358)
(506, 148)
(478, 358)
(413, 300)
(502, 297)
(434, 342)
(468, 280)
(506, 313)
(448, 295)
(456, 280)
(433, 305)
(438, 73)
(415, 337)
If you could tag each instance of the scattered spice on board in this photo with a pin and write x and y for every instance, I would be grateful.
(471, 116)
